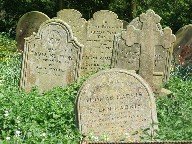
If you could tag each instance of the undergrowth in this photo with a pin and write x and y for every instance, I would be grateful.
(50, 118)
(175, 110)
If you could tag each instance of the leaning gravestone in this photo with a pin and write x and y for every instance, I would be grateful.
(116, 103)
(101, 29)
(75, 20)
(51, 57)
(183, 45)
(28, 24)
(146, 48)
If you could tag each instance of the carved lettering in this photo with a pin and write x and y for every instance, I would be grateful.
(50, 60)
(115, 102)
(99, 44)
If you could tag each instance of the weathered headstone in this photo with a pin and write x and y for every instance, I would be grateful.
(183, 45)
(97, 34)
(116, 103)
(146, 48)
(75, 20)
(101, 29)
(28, 24)
(51, 57)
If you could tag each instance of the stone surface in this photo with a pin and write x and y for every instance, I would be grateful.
(51, 57)
(183, 45)
(116, 103)
(75, 20)
(164, 92)
(146, 48)
(97, 34)
(28, 24)
(101, 29)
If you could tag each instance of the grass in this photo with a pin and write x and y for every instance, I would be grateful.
(50, 117)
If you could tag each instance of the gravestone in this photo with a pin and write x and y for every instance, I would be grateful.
(75, 20)
(97, 52)
(51, 57)
(28, 24)
(146, 48)
(183, 45)
(116, 103)
(97, 34)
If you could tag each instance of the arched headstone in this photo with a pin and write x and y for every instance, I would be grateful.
(28, 24)
(183, 45)
(51, 57)
(116, 103)
(101, 29)
(96, 34)
(75, 20)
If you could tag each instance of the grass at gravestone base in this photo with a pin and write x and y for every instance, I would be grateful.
(50, 117)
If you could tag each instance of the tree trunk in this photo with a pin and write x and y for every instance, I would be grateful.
(59, 5)
(133, 8)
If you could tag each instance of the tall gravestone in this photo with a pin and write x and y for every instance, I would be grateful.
(28, 24)
(51, 57)
(101, 29)
(183, 45)
(146, 48)
(116, 103)
(75, 20)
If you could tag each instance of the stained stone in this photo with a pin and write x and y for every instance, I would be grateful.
(51, 57)
(75, 20)
(28, 24)
(146, 48)
(97, 52)
(97, 34)
(183, 45)
(116, 103)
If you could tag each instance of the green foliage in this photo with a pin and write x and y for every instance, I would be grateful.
(33, 117)
(174, 111)
(12, 10)
(7, 47)
(175, 13)
(50, 118)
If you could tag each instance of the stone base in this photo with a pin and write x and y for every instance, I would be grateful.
(164, 92)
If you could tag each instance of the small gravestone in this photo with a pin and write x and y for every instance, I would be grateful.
(75, 20)
(97, 52)
(183, 45)
(51, 57)
(28, 24)
(115, 104)
(146, 48)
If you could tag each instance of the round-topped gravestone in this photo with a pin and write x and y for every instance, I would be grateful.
(28, 24)
(115, 104)
(183, 45)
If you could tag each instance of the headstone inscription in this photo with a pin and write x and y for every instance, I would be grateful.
(101, 29)
(146, 48)
(97, 34)
(75, 20)
(116, 103)
(183, 45)
(51, 57)
(28, 24)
